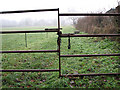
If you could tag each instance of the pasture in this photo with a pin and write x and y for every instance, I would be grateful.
(71, 65)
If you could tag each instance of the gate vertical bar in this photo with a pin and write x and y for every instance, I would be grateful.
(59, 43)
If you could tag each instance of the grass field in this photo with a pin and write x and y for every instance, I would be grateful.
(76, 65)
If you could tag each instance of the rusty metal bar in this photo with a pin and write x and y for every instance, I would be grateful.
(35, 31)
(26, 11)
(29, 70)
(90, 55)
(59, 43)
(52, 28)
(89, 35)
(30, 51)
(89, 14)
(95, 74)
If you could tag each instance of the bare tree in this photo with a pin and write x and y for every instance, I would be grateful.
(74, 20)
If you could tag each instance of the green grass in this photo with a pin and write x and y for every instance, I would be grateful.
(76, 65)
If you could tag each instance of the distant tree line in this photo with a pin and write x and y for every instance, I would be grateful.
(30, 22)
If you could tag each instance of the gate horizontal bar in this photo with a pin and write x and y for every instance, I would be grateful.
(89, 14)
(97, 74)
(89, 35)
(90, 55)
(30, 51)
(52, 28)
(36, 31)
(29, 70)
(25, 11)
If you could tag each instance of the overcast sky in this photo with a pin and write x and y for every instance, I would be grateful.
(64, 5)
(80, 6)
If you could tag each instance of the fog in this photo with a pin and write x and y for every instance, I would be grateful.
(30, 22)
(38, 19)
(49, 18)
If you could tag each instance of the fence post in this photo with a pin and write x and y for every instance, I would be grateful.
(26, 39)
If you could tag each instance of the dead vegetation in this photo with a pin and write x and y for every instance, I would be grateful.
(100, 24)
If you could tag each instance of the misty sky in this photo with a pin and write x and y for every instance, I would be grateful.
(64, 5)
(80, 6)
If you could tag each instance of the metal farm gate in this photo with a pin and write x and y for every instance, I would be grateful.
(60, 35)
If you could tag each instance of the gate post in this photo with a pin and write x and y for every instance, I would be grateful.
(59, 43)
